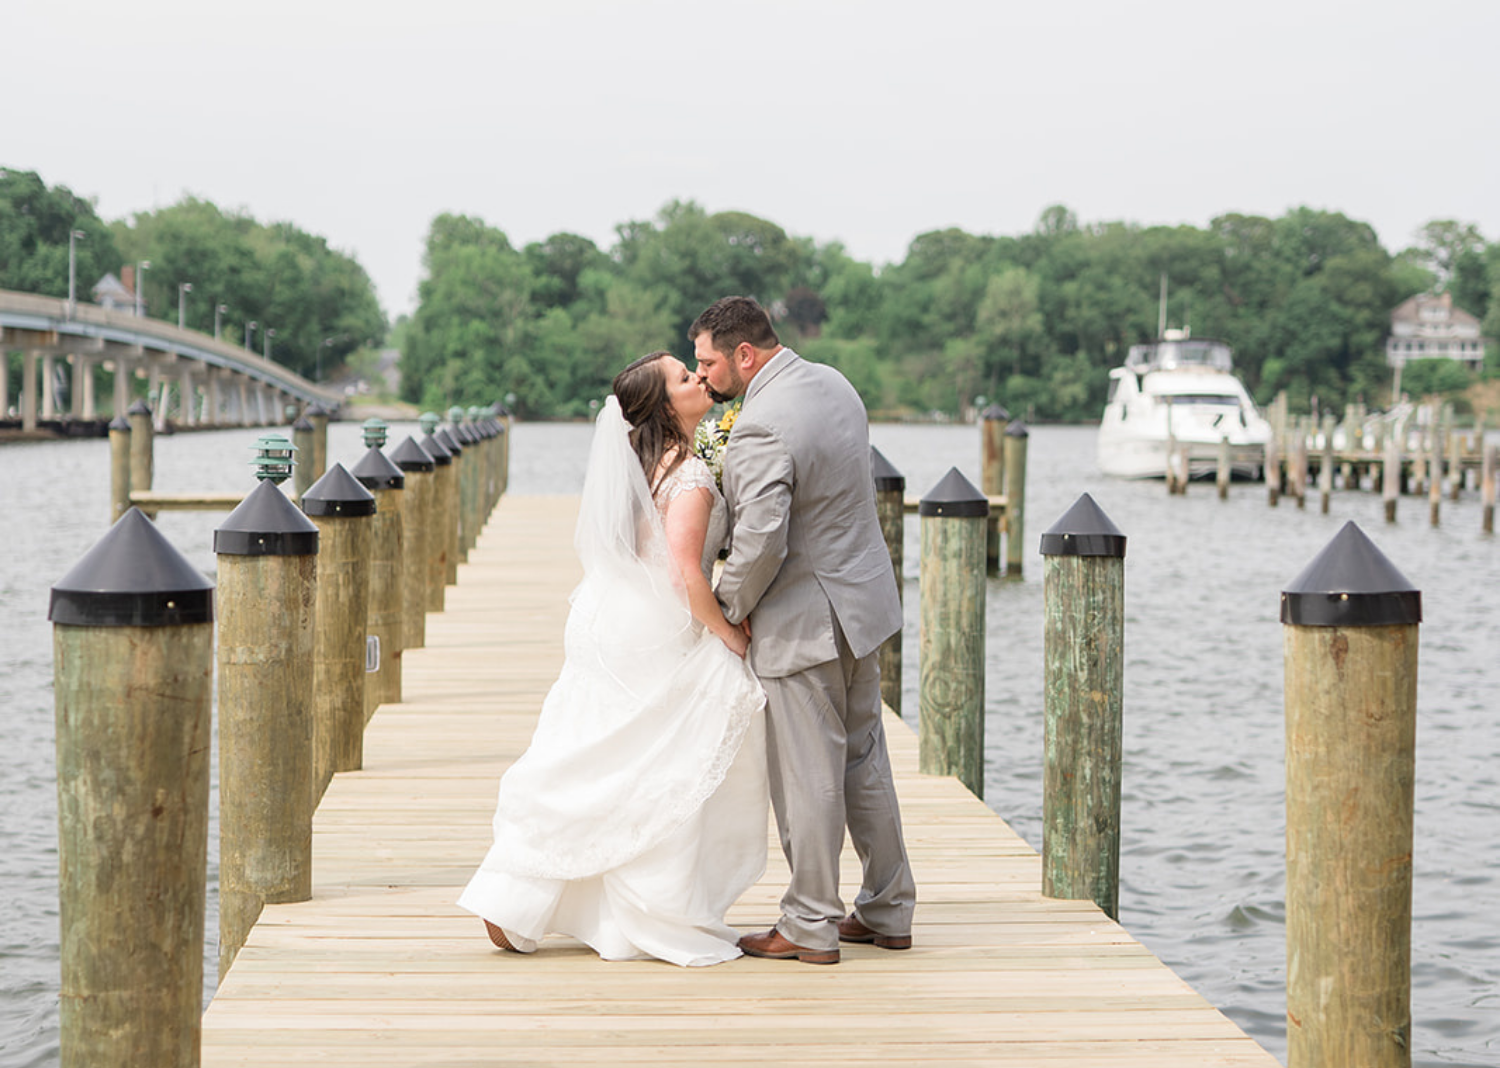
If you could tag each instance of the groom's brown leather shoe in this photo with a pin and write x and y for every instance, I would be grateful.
(497, 936)
(775, 945)
(851, 930)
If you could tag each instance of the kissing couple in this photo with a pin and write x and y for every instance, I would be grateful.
(637, 816)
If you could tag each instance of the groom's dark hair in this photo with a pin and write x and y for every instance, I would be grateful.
(730, 321)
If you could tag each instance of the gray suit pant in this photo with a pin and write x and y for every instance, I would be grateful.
(828, 768)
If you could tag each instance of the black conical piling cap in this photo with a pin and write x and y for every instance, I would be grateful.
(1351, 583)
(1083, 530)
(409, 456)
(266, 524)
(132, 577)
(887, 478)
(994, 412)
(374, 471)
(954, 496)
(140, 407)
(120, 423)
(1017, 429)
(440, 453)
(450, 442)
(338, 493)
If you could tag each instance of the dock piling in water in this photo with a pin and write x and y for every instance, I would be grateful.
(993, 422)
(268, 573)
(1083, 683)
(951, 641)
(133, 685)
(119, 468)
(1350, 639)
(1016, 439)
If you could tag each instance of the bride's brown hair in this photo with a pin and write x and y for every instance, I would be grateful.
(655, 434)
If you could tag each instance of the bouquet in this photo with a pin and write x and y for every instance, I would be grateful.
(711, 438)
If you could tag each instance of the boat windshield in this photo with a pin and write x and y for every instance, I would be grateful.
(1171, 355)
(1199, 398)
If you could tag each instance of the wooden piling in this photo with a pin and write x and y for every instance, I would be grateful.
(268, 573)
(1016, 438)
(1325, 466)
(303, 474)
(1351, 685)
(1390, 471)
(142, 449)
(318, 416)
(951, 640)
(386, 482)
(119, 468)
(341, 509)
(1487, 486)
(133, 686)
(439, 521)
(992, 424)
(453, 504)
(416, 509)
(890, 494)
(1083, 683)
(1435, 477)
(1222, 469)
(1273, 472)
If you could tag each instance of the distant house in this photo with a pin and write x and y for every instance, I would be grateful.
(110, 292)
(1429, 327)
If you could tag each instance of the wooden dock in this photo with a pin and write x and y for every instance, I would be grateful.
(382, 968)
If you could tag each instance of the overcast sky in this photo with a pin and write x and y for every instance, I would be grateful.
(864, 123)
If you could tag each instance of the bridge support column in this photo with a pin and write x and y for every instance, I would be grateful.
(211, 397)
(244, 395)
(81, 403)
(49, 386)
(187, 397)
(28, 390)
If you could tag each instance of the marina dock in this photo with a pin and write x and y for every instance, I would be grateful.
(382, 968)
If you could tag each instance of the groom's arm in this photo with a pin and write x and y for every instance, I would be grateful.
(759, 472)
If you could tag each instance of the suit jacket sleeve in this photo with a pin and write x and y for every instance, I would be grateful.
(759, 472)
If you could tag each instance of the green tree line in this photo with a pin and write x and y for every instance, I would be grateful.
(319, 301)
(1033, 321)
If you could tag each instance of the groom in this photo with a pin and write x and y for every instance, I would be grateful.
(809, 570)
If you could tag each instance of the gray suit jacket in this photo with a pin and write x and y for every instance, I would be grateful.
(805, 547)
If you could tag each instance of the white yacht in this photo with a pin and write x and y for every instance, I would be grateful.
(1183, 389)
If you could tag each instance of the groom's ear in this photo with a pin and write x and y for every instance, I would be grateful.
(744, 355)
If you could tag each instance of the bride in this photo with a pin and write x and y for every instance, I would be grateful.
(638, 814)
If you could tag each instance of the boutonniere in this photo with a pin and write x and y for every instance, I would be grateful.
(712, 437)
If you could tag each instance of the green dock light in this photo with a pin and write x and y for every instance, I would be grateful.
(375, 430)
(428, 421)
(273, 458)
(455, 415)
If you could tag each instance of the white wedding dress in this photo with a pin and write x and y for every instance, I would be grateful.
(637, 816)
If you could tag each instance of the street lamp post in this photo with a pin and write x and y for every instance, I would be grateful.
(249, 329)
(141, 267)
(73, 237)
(219, 310)
(183, 289)
(267, 336)
(327, 341)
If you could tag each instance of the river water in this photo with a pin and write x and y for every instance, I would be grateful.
(1202, 870)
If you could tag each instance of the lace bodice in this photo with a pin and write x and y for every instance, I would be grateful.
(694, 474)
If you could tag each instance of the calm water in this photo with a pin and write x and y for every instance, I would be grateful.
(1202, 872)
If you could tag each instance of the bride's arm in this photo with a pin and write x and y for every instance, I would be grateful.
(687, 527)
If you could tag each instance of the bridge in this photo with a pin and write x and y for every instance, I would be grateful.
(194, 379)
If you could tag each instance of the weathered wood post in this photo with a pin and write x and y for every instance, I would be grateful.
(386, 483)
(302, 441)
(1222, 469)
(341, 509)
(1487, 487)
(466, 460)
(951, 641)
(1455, 464)
(1350, 641)
(1171, 473)
(1273, 472)
(1325, 466)
(133, 666)
(439, 514)
(1299, 460)
(416, 513)
(268, 572)
(318, 416)
(455, 502)
(1084, 655)
(142, 450)
(992, 424)
(507, 435)
(1016, 437)
(890, 505)
(119, 468)
(1390, 471)
(1435, 476)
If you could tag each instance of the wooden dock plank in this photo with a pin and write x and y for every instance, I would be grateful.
(382, 968)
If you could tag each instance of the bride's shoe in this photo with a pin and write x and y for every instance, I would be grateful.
(497, 936)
